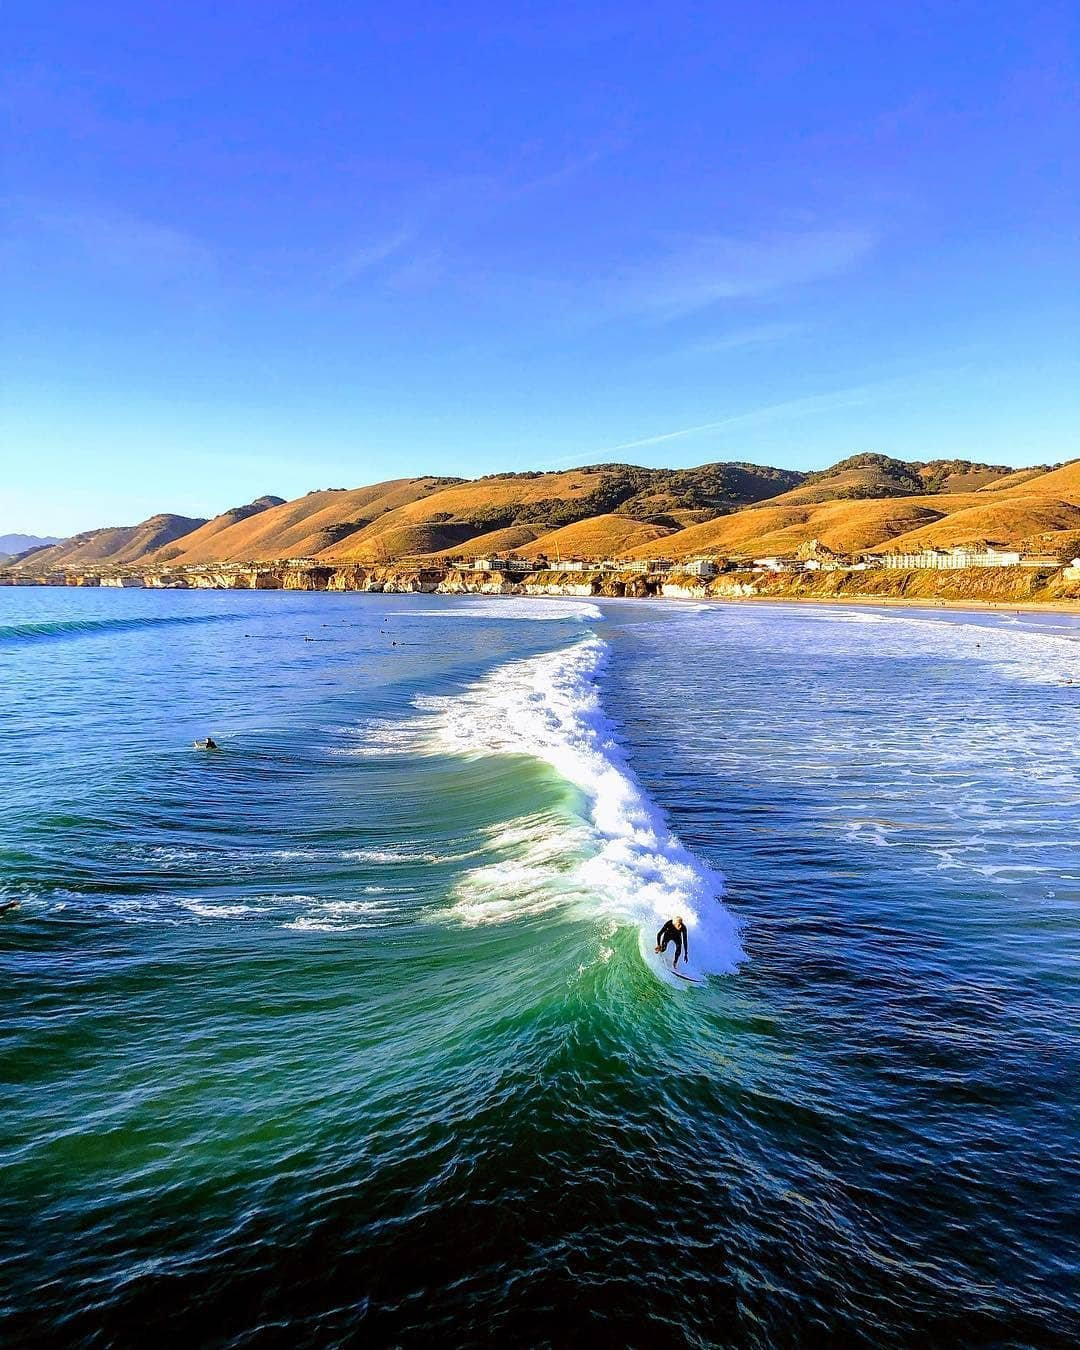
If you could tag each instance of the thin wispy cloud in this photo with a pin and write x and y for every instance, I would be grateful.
(739, 339)
(570, 169)
(707, 269)
(117, 239)
(790, 409)
(364, 258)
(444, 215)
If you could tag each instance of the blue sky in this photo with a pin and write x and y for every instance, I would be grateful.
(274, 246)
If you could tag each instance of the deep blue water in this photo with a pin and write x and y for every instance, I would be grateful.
(351, 1031)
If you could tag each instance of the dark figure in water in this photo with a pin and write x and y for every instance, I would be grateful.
(674, 931)
(208, 744)
(9, 905)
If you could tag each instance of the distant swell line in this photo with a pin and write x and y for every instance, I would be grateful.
(60, 628)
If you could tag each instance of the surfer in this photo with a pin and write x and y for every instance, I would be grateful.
(208, 744)
(674, 931)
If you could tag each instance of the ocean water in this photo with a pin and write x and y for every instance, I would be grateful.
(344, 1034)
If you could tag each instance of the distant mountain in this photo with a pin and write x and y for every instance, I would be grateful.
(13, 544)
(114, 545)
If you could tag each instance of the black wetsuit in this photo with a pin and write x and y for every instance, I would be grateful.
(668, 934)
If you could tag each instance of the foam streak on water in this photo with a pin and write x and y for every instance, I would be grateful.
(635, 868)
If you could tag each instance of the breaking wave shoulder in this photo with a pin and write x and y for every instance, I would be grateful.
(535, 607)
(628, 861)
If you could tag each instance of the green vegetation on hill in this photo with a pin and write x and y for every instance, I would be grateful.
(649, 495)
(885, 477)
(951, 475)
(716, 488)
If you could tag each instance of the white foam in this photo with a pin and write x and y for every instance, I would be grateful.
(206, 910)
(335, 916)
(392, 855)
(309, 924)
(1028, 653)
(512, 607)
(536, 876)
(626, 863)
(399, 855)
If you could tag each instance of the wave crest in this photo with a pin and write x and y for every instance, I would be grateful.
(66, 628)
(636, 869)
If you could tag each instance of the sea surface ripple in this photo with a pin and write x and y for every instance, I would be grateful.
(344, 1033)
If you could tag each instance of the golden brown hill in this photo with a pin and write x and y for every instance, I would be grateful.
(960, 475)
(607, 536)
(1015, 479)
(870, 477)
(466, 510)
(413, 541)
(859, 476)
(551, 501)
(1012, 520)
(494, 542)
(201, 542)
(114, 546)
(600, 510)
(304, 527)
(1064, 545)
(1062, 483)
(843, 527)
(655, 495)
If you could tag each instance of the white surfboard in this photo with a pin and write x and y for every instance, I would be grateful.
(660, 965)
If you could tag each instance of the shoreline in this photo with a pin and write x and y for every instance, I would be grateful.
(1067, 607)
(975, 590)
(890, 602)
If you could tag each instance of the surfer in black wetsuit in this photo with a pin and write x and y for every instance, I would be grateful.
(674, 931)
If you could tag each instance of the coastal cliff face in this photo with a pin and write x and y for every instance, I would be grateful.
(460, 582)
(976, 585)
(973, 585)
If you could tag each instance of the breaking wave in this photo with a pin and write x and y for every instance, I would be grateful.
(627, 860)
(68, 628)
(541, 608)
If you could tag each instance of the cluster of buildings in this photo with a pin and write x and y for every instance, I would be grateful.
(811, 557)
(927, 559)
(948, 559)
(697, 567)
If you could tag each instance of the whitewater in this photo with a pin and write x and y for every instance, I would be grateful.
(624, 860)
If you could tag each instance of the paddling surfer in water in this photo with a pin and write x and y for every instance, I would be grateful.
(674, 931)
